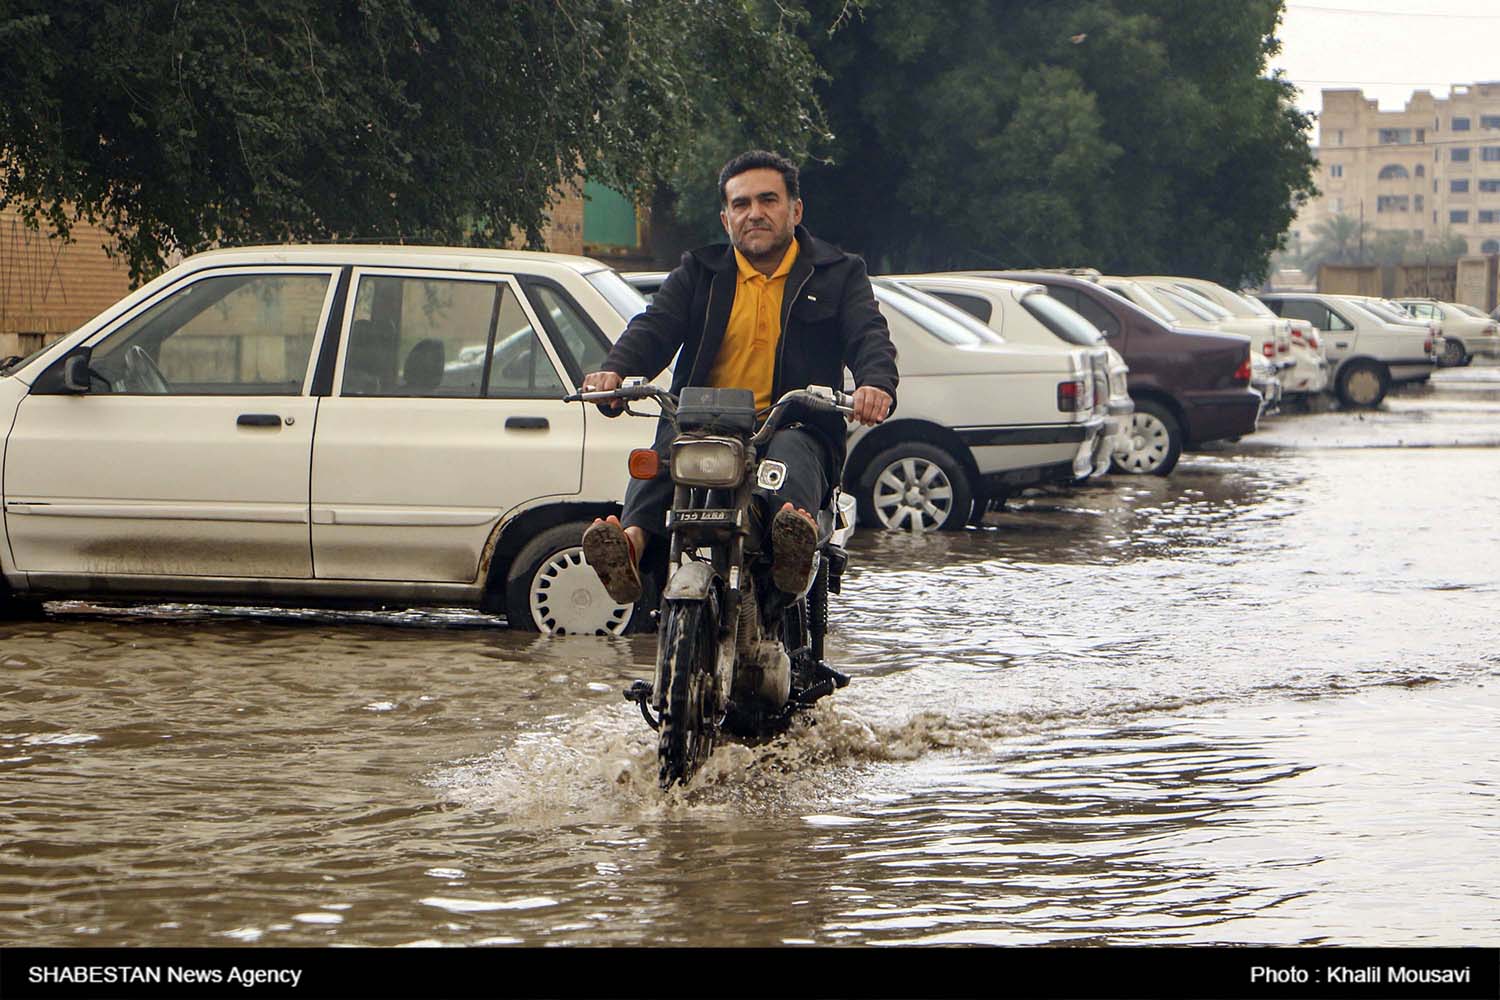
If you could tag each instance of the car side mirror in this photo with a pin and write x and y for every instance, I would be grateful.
(75, 372)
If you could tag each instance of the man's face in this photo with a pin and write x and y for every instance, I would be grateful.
(758, 215)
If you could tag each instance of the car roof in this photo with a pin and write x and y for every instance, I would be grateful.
(383, 253)
(1017, 289)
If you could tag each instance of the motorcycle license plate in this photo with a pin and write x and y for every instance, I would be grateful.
(715, 516)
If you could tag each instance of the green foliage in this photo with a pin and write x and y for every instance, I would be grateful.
(1129, 135)
(184, 124)
(1344, 239)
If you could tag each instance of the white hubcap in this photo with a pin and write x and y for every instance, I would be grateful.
(1146, 446)
(913, 493)
(567, 598)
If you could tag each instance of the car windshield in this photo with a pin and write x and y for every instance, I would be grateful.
(1061, 320)
(627, 301)
(1256, 305)
(14, 364)
(1390, 315)
(1184, 309)
(1362, 310)
(1141, 296)
(947, 323)
(1201, 300)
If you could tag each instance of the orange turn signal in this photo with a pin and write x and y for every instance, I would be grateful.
(644, 463)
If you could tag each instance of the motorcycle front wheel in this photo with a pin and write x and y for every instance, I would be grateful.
(689, 719)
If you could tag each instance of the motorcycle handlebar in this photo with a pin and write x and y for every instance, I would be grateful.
(817, 397)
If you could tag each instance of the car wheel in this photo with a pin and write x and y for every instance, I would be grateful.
(1153, 443)
(915, 486)
(1363, 384)
(551, 589)
(1454, 354)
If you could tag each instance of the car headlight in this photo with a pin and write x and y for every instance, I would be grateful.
(708, 462)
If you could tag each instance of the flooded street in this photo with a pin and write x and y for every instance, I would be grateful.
(1257, 702)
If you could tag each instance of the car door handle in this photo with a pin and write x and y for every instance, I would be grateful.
(526, 423)
(259, 420)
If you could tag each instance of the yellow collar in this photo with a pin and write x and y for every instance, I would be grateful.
(748, 271)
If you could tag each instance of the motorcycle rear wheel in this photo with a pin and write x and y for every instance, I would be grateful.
(689, 720)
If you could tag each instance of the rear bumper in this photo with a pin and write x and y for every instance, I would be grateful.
(1220, 413)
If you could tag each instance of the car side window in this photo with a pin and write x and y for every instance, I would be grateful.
(226, 335)
(1334, 323)
(979, 308)
(581, 344)
(1313, 312)
(1097, 315)
(442, 338)
(520, 366)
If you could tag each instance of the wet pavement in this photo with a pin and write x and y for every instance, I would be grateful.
(1254, 703)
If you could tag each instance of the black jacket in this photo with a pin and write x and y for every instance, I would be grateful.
(829, 321)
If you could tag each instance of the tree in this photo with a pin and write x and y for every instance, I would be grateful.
(181, 125)
(1114, 133)
(1344, 239)
(1338, 239)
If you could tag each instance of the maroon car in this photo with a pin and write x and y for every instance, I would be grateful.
(1189, 386)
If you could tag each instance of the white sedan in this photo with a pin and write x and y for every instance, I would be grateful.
(373, 426)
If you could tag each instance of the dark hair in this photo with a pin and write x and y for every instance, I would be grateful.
(757, 159)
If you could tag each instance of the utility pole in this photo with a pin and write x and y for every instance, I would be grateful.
(1361, 230)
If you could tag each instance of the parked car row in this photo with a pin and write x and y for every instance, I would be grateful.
(384, 426)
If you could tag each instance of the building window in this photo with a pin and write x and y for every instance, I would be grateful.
(1338, 206)
(1490, 153)
(1393, 171)
(1421, 171)
(1421, 135)
(1459, 154)
(1489, 185)
(1458, 187)
(1489, 121)
(1459, 124)
(1416, 205)
(1338, 137)
(1392, 203)
(1489, 216)
(1417, 233)
(1490, 246)
(1459, 215)
(1336, 170)
(1395, 136)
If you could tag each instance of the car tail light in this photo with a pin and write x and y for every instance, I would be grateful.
(644, 463)
(1427, 345)
(1283, 348)
(1242, 373)
(1312, 339)
(1268, 349)
(1492, 329)
(1070, 396)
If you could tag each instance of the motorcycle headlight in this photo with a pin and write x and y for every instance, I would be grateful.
(714, 462)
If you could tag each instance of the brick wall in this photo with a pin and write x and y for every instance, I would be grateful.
(47, 287)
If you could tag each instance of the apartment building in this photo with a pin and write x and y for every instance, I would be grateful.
(1431, 167)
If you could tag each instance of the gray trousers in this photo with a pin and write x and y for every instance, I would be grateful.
(806, 485)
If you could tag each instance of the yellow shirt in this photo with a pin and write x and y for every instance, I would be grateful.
(747, 358)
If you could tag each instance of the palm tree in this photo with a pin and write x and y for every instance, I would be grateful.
(1338, 239)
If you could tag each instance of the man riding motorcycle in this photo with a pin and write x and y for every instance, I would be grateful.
(776, 310)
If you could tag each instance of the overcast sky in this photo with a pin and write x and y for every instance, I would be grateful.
(1388, 48)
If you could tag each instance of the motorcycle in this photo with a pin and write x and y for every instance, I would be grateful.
(736, 656)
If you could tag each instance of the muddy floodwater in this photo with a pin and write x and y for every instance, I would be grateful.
(1257, 702)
